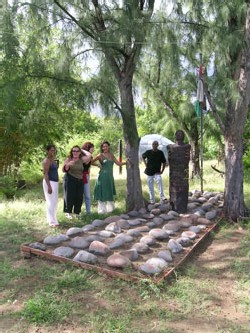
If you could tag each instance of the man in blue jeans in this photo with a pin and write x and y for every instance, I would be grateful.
(155, 163)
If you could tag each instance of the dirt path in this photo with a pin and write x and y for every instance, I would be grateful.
(214, 262)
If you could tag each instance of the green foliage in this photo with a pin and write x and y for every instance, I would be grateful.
(46, 308)
(246, 159)
(213, 149)
(8, 186)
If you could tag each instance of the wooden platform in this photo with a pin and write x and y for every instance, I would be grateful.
(128, 274)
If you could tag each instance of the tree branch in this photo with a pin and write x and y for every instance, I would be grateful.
(87, 32)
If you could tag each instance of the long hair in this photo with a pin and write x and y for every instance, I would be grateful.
(103, 143)
(71, 152)
(87, 145)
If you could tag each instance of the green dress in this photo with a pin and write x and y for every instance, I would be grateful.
(105, 184)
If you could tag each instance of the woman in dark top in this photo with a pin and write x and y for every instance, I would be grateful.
(50, 185)
(73, 184)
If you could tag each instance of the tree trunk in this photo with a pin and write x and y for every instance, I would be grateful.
(195, 152)
(134, 199)
(236, 116)
(234, 196)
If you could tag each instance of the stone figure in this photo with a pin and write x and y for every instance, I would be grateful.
(178, 158)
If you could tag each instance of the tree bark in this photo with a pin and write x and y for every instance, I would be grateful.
(134, 198)
(236, 115)
(234, 196)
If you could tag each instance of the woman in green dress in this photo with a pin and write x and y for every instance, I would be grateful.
(104, 191)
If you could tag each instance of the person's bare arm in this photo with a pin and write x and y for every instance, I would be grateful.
(46, 166)
(117, 162)
(87, 156)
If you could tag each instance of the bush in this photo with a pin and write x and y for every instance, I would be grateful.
(8, 186)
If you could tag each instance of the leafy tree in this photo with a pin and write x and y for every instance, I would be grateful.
(221, 31)
(114, 34)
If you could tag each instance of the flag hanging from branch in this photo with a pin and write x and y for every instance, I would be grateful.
(200, 98)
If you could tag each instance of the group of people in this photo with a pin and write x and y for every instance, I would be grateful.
(76, 182)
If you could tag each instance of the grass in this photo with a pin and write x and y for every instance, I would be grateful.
(42, 294)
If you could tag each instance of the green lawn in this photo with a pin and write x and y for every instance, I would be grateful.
(38, 295)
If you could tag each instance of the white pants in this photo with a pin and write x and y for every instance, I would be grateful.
(158, 179)
(105, 207)
(51, 202)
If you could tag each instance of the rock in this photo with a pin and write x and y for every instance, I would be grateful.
(172, 226)
(112, 219)
(213, 200)
(157, 262)
(79, 243)
(207, 206)
(195, 228)
(211, 215)
(142, 211)
(141, 247)
(98, 223)
(124, 224)
(153, 266)
(86, 257)
(134, 233)
(150, 207)
(158, 221)
(199, 212)
(203, 220)
(113, 227)
(124, 216)
(93, 237)
(142, 229)
(87, 227)
(53, 240)
(63, 251)
(100, 248)
(191, 206)
(166, 255)
(167, 217)
(189, 234)
(116, 243)
(105, 234)
(149, 269)
(151, 225)
(148, 216)
(148, 240)
(159, 234)
(174, 246)
(125, 237)
(165, 207)
(131, 254)
(173, 213)
(38, 246)
(202, 200)
(133, 213)
(184, 241)
(73, 231)
(134, 222)
(156, 211)
(118, 260)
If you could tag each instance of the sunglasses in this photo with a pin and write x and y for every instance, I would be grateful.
(75, 151)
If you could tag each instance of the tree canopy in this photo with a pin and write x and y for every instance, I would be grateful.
(51, 46)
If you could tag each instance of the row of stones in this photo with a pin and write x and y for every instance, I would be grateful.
(95, 243)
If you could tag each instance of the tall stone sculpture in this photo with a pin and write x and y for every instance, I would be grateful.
(178, 158)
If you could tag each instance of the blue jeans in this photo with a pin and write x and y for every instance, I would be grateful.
(158, 179)
(87, 197)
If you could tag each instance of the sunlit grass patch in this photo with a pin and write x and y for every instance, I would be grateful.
(47, 308)
(190, 295)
